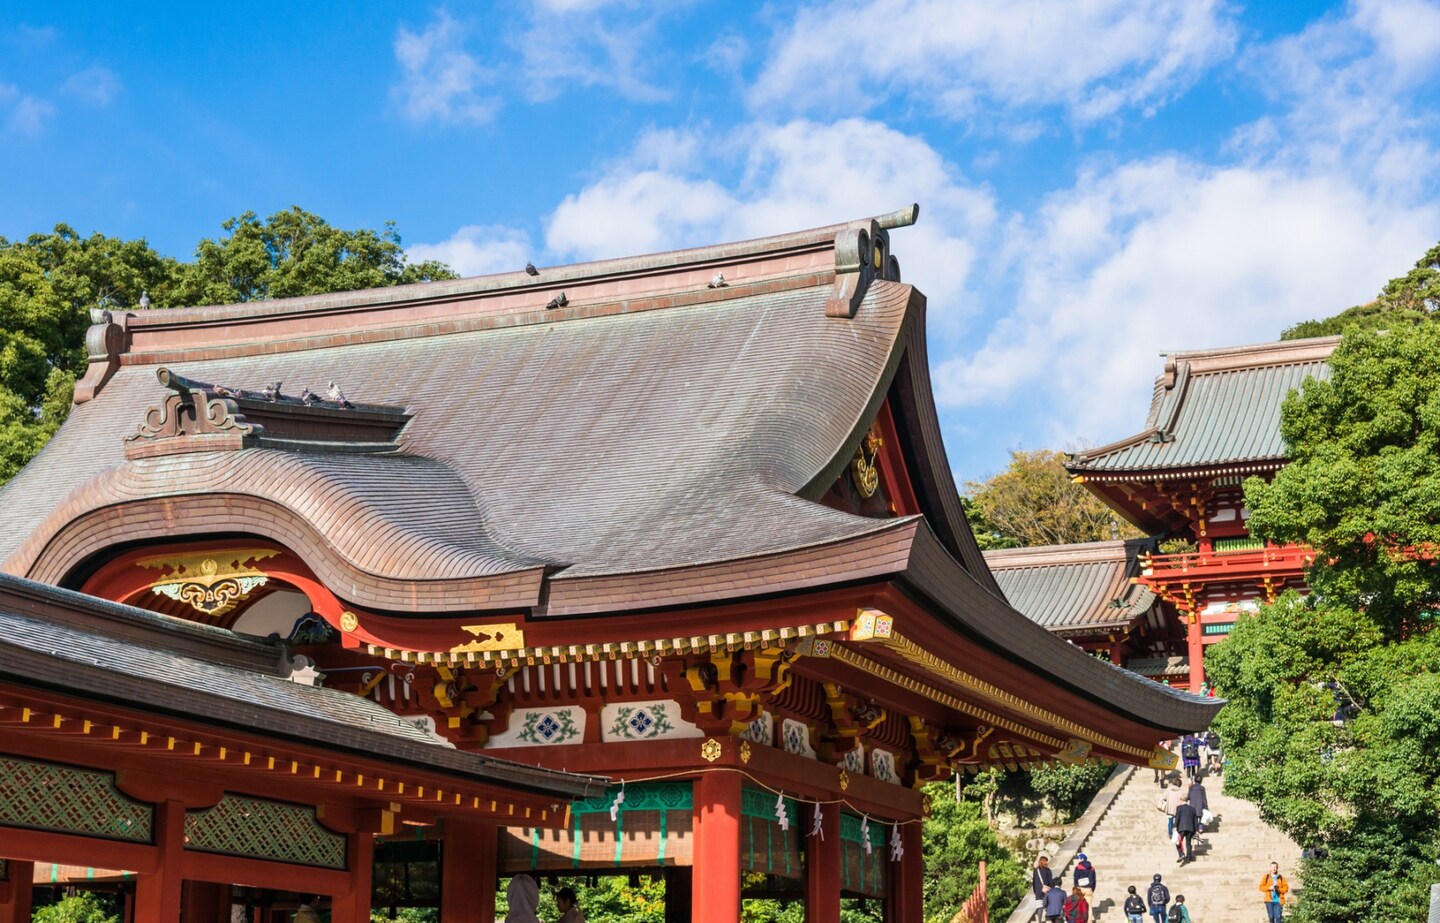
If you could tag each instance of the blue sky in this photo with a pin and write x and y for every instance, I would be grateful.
(1099, 180)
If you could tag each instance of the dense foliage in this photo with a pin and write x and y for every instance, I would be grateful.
(1035, 502)
(80, 908)
(1067, 790)
(1406, 300)
(49, 283)
(1363, 482)
(1333, 725)
(958, 837)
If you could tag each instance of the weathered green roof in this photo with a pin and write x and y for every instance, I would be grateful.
(1213, 408)
(1074, 588)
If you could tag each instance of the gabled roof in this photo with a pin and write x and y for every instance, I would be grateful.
(658, 438)
(1212, 409)
(665, 417)
(1075, 588)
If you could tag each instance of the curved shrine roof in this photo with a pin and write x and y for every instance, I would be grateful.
(612, 437)
(1212, 408)
(1074, 587)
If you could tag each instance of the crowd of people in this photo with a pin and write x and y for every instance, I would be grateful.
(1186, 806)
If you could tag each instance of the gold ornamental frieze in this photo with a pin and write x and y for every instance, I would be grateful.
(210, 582)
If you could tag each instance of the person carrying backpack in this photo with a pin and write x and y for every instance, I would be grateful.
(1158, 896)
(1134, 907)
(1083, 876)
(1179, 913)
(1190, 756)
(1077, 909)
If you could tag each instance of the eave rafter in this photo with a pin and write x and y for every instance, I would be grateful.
(337, 779)
(945, 683)
(506, 659)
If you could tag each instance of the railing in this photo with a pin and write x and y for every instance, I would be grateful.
(1228, 560)
(976, 908)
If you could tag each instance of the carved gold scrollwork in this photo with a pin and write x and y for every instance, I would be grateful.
(211, 583)
(864, 469)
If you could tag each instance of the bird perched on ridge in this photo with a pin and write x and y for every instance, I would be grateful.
(559, 301)
(271, 392)
(718, 281)
(309, 397)
(222, 391)
(144, 300)
(530, 269)
(335, 395)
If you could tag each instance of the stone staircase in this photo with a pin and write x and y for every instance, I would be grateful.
(1128, 846)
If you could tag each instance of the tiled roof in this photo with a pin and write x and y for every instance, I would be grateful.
(155, 663)
(652, 424)
(1081, 586)
(1214, 407)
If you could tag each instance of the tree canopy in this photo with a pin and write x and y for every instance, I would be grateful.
(50, 282)
(1363, 481)
(1333, 721)
(1035, 502)
(1405, 300)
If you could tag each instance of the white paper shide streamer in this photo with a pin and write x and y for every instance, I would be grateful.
(782, 815)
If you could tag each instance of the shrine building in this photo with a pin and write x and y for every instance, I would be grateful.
(1090, 594)
(1214, 421)
(683, 521)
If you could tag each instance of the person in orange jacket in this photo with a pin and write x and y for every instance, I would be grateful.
(1274, 886)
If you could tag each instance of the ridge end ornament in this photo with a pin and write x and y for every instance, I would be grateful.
(710, 750)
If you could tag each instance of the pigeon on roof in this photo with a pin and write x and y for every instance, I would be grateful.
(718, 281)
(144, 300)
(530, 270)
(335, 395)
(559, 301)
(271, 392)
(309, 397)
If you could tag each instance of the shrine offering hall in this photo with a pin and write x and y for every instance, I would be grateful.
(647, 566)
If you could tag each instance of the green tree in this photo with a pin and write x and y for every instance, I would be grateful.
(1067, 789)
(1035, 502)
(1333, 721)
(958, 837)
(1406, 300)
(1363, 481)
(80, 908)
(294, 252)
(49, 283)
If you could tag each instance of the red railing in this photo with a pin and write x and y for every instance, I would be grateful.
(1223, 563)
(976, 908)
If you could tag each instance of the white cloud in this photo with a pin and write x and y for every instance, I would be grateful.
(1356, 90)
(1167, 254)
(478, 250)
(796, 175)
(1092, 57)
(440, 80)
(604, 43)
(24, 114)
(94, 85)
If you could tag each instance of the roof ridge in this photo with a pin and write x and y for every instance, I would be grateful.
(1109, 551)
(1254, 355)
(644, 264)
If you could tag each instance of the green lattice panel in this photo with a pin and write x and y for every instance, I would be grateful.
(643, 796)
(46, 796)
(240, 826)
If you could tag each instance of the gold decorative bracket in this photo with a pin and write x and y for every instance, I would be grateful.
(211, 583)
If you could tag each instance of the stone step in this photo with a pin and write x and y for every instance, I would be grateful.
(1128, 846)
